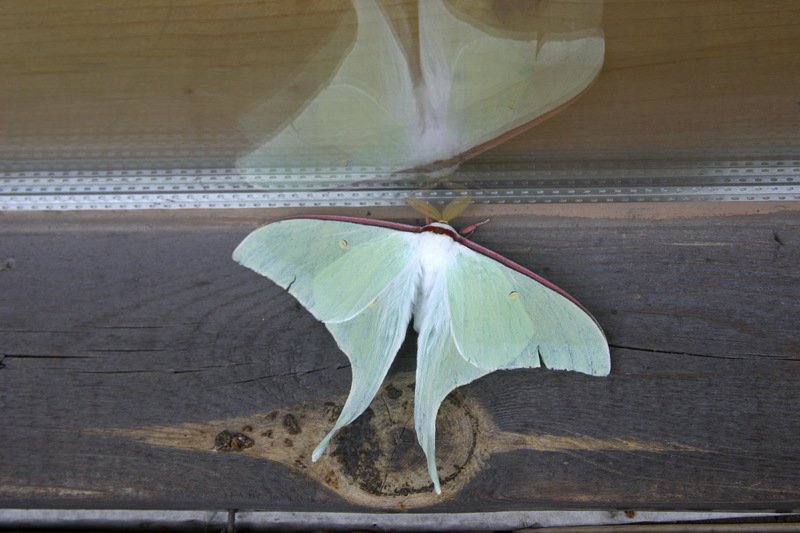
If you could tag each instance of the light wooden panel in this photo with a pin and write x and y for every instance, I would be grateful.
(685, 79)
(116, 79)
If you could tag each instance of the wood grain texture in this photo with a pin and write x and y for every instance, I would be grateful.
(155, 81)
(129, 347)
(684, 79)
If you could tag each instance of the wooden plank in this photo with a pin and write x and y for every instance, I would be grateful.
(129, 346)
(684, 79)
(183, 79)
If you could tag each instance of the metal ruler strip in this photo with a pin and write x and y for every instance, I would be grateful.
(225, 188)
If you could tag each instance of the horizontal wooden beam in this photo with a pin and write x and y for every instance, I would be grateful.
(131, 341)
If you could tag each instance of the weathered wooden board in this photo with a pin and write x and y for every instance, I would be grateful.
(130, 342)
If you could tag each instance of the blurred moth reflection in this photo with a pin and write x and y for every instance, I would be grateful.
(470, 76)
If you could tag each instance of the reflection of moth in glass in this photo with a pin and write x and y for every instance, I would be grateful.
(475, 311)
(468, 90)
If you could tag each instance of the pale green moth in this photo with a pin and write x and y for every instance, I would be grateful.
(467, 89)
(475, 311)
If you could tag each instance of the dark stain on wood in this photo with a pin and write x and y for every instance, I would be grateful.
(291, 424)
(392, 392)
(380, 453)
(358, 451)
(334, 410)
(232, 441)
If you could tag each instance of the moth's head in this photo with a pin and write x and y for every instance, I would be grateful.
(450, 211)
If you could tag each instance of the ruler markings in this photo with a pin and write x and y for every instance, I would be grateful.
(226, 188)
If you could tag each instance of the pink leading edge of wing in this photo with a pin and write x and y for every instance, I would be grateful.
(357, 220)
(459, 239)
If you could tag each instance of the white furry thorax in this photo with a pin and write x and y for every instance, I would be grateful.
(437, 250)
